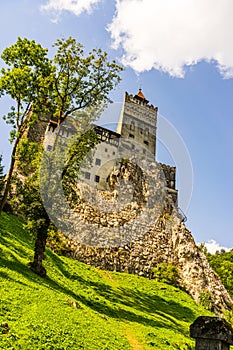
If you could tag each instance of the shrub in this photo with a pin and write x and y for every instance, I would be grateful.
(205, 300)
(167, 273)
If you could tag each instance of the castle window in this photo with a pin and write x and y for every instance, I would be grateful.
(97, 161)
(114, 153)
(106, 150)
(97, 178)
(132, 126)
(146, 142)
(49, 148)
(133, 146)
(87, 176)
(131, 136)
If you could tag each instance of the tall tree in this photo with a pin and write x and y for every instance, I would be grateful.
(26, 79)
(81, 80)
(71, 82)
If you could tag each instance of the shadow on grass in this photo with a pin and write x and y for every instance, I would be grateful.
(123, 298)
(5, 275)
(18, 239)
(110, 301)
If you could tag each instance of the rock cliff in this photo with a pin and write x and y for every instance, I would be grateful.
(158, 237)
(168, 241)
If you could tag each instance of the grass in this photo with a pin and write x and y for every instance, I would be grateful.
(80, 307)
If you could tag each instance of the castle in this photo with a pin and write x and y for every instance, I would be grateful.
(125, 238)
(135, 135)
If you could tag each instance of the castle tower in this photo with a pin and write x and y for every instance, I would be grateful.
(138, 121)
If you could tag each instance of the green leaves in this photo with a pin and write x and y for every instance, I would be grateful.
(222, 263)
(81, 81)
(71, 81)
(26, 79)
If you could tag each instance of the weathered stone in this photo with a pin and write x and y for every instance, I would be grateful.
(211, 333)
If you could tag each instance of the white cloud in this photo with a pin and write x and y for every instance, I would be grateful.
(212, 246)
(56, 7)
(170, 34)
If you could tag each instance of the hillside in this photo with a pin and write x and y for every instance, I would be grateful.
(80, 307)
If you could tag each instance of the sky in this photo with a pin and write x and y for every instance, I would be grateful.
(180, 53)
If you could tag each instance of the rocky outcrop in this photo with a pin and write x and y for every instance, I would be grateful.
(168, 241)
(136, 233)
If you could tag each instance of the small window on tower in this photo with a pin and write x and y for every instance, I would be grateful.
(131, 136)
(132, 126)
(97, 178)
(87, 176)
(49, 148)
(97, 161)
(146, 142)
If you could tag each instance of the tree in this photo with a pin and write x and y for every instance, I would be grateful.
(29, 200)
(80, 81)
(222, 264)
(26, 80)
(69, 83)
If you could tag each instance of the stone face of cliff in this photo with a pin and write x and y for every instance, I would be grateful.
(168, 241)
(147, 234)
(196, 274)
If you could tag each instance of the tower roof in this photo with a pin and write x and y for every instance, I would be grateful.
(140, 96)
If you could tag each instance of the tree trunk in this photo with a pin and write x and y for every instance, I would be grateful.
(9, 176)
(39, 250)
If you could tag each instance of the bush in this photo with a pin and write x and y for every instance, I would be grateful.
(205, 300)
(166, 273)
(222, 264)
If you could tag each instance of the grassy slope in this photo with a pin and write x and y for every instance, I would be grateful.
(79, 307)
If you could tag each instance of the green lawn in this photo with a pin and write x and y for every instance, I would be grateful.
(80, 307)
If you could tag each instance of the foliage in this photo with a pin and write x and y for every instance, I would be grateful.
(80, 81)
(205, 300)
(34, 210)
(82, 146)
(79, 307)
(30, 206)
(223, 266)
(228, 315)
(58, 87)
(166, 273)
(26, 79)
(57, 241)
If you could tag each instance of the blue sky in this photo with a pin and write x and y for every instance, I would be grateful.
(181, 54)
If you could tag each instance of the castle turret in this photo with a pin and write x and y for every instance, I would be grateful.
(138, 121)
